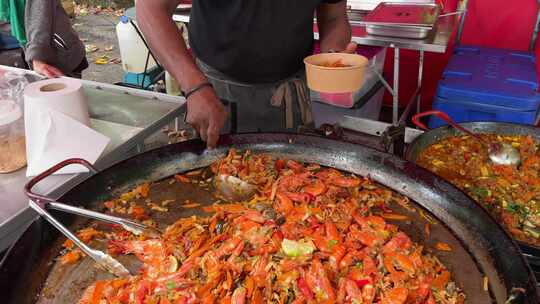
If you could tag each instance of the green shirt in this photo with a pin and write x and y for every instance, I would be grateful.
(12, 11)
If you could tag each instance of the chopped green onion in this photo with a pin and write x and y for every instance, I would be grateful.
(480, 192)
(171, 285)
(513, 207)
(332, 243)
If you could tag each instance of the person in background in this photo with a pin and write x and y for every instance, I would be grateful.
(43, 28)
(248, 52)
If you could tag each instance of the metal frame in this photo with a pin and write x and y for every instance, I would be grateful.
(535, 31)
(396, 133)
(462, 6)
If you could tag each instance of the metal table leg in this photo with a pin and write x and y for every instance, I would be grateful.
(420, 74)
(395, 95)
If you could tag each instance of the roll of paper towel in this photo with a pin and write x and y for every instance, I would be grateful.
(57, 126)
(64, 95)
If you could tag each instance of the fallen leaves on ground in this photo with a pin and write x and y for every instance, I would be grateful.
(90, 48)
(83, 10)
(102, 60)
(115, 60)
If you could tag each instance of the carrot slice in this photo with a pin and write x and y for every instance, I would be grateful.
(443, 246)
(98, 291)
(181, 178)
(71, 257)
(441, 280)
(395, 216)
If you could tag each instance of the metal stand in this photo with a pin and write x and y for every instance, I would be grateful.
(395, 93)
(419, 83)
(394, 136)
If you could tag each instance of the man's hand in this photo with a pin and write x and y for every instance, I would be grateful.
(206, 114)
(46, 69)
(350, 48)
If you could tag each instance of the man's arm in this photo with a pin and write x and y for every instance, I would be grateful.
(205, 112)
(334, 27)
(154, 17)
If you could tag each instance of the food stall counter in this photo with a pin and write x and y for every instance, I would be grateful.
(131, 118)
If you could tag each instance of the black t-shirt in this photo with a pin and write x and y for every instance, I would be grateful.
(254, 41)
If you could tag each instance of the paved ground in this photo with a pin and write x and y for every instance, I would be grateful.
(100, 30)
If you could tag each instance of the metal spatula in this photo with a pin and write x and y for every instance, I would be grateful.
(234, 189)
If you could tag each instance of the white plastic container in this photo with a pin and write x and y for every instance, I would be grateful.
(133, 51)
(12, 140)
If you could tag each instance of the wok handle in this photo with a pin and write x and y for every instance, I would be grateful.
(38, 198)
(446, 118)
(416, 118)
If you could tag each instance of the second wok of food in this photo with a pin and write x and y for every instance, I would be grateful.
(510, 193)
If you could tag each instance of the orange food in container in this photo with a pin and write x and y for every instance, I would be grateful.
(335, 72)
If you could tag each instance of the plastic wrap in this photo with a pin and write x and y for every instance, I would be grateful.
(12, 86)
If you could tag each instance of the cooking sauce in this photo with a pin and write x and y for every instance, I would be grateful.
(510, 193)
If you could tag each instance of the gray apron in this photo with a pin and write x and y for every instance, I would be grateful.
(275, 107)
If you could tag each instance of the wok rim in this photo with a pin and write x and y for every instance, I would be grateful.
(425, 178)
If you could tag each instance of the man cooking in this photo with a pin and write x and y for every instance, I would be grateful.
(249, 52)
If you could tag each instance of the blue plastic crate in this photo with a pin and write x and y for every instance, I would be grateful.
(484, 84)
(469, 111)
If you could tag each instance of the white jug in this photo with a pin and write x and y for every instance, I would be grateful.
(133, 51)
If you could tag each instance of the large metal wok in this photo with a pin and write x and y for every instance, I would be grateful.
(483, 254)
(433, 136)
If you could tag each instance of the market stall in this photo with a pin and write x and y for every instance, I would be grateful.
(338, 213)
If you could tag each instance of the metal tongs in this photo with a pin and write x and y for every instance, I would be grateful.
(499, 153)
(41, 203)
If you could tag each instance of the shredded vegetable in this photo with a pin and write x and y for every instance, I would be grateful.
(312, 235)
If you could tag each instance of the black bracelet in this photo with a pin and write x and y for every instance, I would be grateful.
(196, 88)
